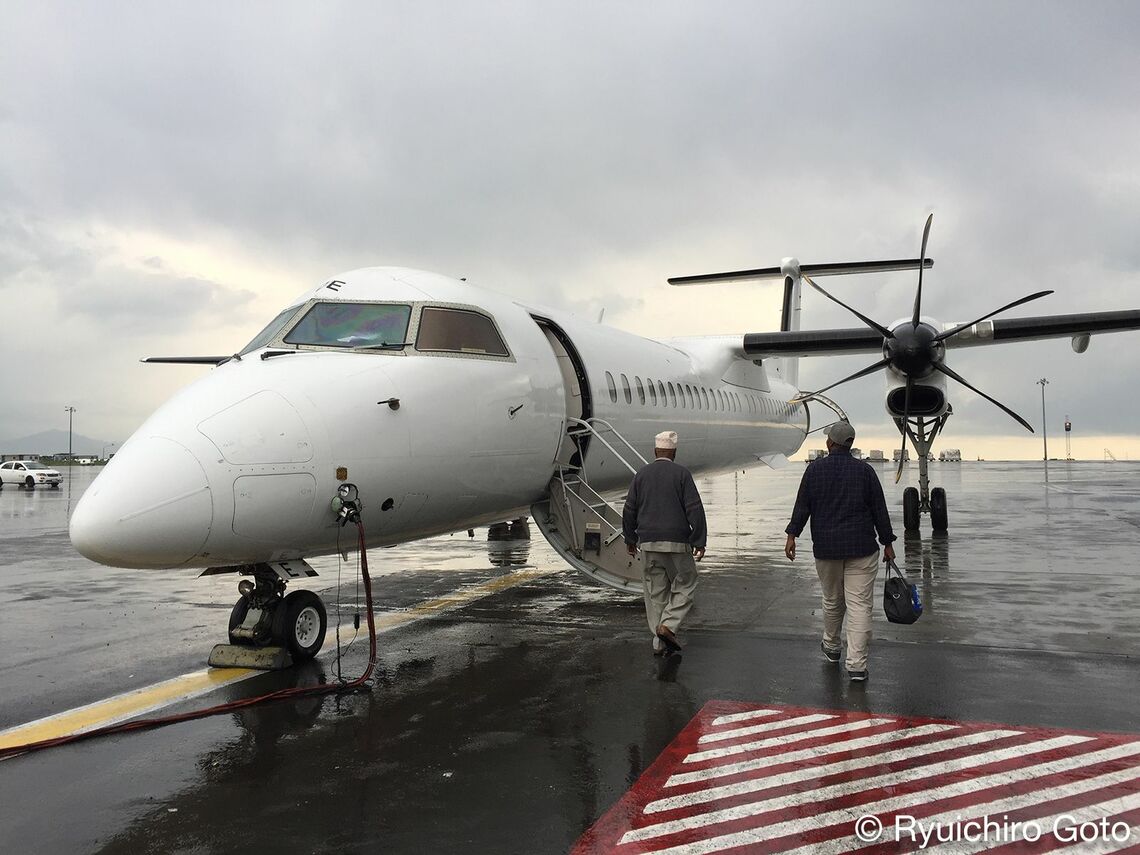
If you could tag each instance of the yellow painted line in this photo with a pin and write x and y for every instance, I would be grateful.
(391, 620)
(124, 706)
(150, 698)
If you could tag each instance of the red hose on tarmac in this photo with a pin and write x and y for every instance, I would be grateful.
(281, 694)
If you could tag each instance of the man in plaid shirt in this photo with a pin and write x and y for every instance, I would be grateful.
(844, 499)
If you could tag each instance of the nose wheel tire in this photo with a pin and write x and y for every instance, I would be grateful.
(300, 623)
(938, 509)
(237, 618)
(910, 509)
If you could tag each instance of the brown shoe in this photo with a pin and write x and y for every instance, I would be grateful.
(668, 639)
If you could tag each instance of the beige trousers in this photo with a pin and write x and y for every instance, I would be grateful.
(670, 581)
(848, 587)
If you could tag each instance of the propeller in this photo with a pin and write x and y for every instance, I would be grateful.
(922, 259)
(915, 349)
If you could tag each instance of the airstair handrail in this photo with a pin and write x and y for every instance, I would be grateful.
(827, 402)
(591, 508)
(588, 424)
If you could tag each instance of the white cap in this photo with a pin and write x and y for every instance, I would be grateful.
(665, 439)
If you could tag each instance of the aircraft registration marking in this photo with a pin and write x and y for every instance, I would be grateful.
(813, 777)
(149, 699)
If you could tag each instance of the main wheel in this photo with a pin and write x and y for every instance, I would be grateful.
(30, 482)
(237, 618)
(938, 509)
(910, 509)
(299, 623)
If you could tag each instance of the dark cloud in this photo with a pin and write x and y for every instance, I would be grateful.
(556, 150)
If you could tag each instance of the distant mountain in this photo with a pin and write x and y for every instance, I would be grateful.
(53, 442)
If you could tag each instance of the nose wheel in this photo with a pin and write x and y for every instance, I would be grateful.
(923, 499)
(265, 615)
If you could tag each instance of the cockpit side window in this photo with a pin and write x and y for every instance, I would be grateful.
(270, 332)
(383, 326)
(459, 331)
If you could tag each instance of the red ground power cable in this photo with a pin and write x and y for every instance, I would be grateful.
(281, 694)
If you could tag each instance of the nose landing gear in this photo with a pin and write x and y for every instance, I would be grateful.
(923, 500)
(266, 617)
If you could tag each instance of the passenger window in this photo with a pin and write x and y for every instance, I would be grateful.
(459, 331)
(610, 385)
(689, 395)
(640, 390)
(625, 389)
(661, 392)
(652, 391)
(705, 395)
(672, 395)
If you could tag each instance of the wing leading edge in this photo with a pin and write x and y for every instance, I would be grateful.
(837, 342)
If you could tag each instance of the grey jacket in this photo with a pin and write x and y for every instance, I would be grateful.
(663, 505)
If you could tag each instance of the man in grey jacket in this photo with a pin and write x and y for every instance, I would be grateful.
(664, 515)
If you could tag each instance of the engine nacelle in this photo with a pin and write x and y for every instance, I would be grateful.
(927, 397)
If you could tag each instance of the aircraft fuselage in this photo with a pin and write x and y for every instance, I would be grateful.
(240, 467)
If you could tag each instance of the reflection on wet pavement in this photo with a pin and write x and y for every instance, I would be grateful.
(511, 724)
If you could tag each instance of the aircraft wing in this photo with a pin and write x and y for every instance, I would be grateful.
(837, 342)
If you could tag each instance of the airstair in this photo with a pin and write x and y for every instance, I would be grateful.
(582, 526)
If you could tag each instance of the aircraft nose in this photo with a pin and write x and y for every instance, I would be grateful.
(151, 507)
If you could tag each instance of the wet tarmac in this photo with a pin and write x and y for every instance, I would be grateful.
(512, 719)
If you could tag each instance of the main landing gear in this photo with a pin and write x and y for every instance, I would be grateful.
(266, 616)
(923, 500)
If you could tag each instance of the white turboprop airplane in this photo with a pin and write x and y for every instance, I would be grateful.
(449, 406)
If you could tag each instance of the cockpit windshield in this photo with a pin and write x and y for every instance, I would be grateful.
(270, 332)
(368, 325)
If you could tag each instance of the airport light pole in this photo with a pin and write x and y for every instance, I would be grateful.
(1044, 430)
(70, 414)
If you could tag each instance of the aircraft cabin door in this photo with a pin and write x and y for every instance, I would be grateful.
(577, 391)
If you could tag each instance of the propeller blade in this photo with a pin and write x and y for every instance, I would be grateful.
(906, 415)
(879, 328)
(954, 375)
(882, 363)
(958, 329)
(922, 256)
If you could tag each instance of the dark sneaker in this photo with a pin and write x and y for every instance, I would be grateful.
(831, 654)
(857, 676)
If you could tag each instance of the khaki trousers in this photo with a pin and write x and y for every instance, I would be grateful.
(670, 580)
(848, 587)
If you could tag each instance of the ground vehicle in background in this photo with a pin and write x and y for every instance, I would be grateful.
(29, 473)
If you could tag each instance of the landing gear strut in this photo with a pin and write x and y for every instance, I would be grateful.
(266, 616)
(923, 500)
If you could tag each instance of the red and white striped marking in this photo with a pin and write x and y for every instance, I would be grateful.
(785, 779)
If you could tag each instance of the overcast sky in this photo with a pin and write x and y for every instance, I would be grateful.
(172, 174)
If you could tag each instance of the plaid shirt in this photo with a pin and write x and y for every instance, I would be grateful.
(845, 501)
